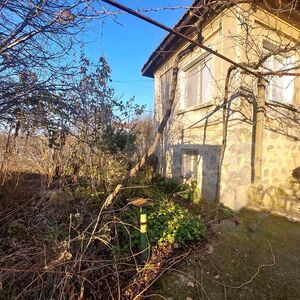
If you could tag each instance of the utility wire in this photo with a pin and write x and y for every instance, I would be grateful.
(178, 33)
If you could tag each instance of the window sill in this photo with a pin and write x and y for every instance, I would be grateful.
(196, 107)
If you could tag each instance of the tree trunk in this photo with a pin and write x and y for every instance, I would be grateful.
(110, 199)
(225, 128)
(259, 131)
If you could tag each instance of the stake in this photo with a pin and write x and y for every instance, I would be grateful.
(142, 203)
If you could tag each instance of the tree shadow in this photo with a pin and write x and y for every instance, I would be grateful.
(280, 119)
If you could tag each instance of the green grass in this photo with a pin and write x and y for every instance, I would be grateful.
(228, 272)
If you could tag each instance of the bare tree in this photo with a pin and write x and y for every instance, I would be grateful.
(37, 40)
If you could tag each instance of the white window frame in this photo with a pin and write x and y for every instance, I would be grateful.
(201, 65)
(280, 89)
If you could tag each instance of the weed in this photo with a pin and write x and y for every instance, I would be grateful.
(16, 229)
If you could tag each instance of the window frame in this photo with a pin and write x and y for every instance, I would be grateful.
(280, 85)
(201, 63)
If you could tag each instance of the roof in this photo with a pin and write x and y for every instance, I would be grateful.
(172, 42)
(166, 47)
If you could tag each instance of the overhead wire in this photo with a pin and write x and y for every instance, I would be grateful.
(178, 33)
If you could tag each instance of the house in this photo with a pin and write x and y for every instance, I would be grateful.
(242, 152)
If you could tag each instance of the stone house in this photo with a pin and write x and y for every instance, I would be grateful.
(254, 167)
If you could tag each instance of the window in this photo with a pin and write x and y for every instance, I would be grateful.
(198, 82)
(189, 164)
(280, 88)
(165, 83)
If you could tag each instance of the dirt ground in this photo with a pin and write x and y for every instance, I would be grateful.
(258, 259)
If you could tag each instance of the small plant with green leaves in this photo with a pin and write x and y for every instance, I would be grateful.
(17, 229)
(167, 185)
(189, 192)
(167, 223)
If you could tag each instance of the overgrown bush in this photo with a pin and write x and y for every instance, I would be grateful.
(188, 191)
(167, 222)
(167, 185)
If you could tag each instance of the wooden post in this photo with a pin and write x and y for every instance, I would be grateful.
(259, 130)
(142, 203)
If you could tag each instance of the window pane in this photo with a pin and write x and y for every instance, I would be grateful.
(278, 94)
(268, 65)
(192, 86)
(189, 164)
(289, 84)
(186, 165)
(281, 88)
(206, 83)
(165, 82)
(198, 83)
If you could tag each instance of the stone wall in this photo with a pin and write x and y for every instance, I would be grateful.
(279, 191)
(201, 128)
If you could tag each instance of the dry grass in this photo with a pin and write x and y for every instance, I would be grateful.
(56, 240)
(44, 235)
(58, 244)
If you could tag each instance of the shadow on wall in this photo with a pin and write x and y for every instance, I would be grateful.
(207, 158)
(281, 133)
(281, 200)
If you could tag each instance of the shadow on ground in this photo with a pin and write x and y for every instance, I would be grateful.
(258, 259)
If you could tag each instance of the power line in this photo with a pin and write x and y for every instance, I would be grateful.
(178, 33)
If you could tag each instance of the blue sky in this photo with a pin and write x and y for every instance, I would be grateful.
(127, 44)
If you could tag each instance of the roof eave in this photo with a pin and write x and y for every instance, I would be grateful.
(170, 42)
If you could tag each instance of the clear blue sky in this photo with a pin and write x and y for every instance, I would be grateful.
(126, 47)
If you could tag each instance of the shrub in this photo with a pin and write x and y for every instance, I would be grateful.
(170, 222)
(167, 185)
(17, 229)
(167, 222)
(189, 192)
